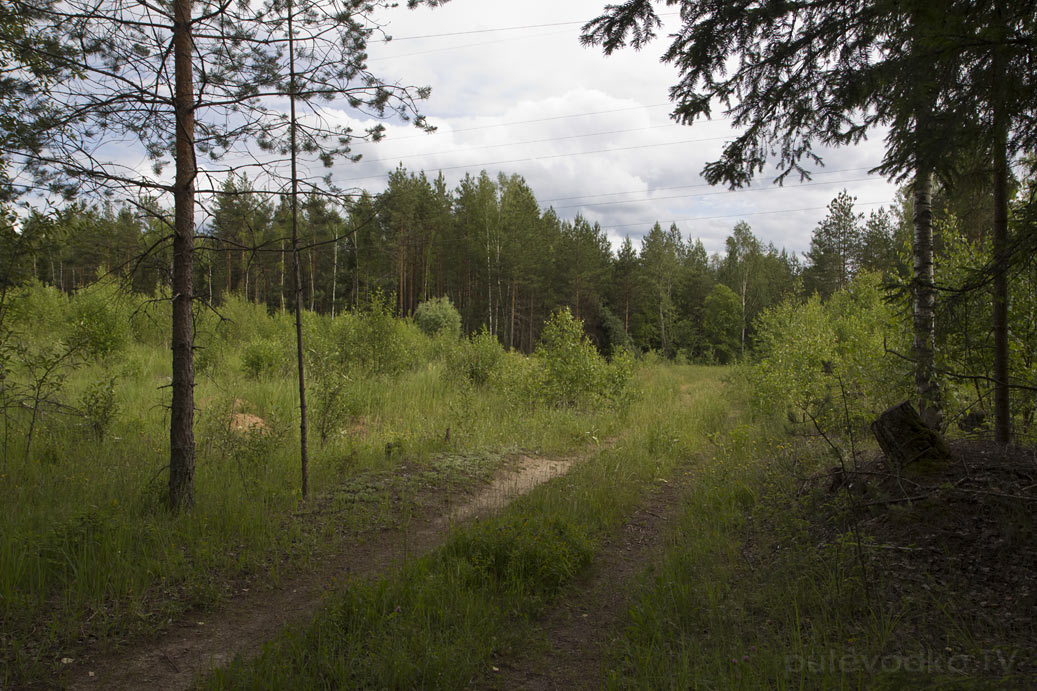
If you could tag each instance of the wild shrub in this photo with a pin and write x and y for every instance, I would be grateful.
(827, 362)
(151, 318)
(266, 358)
(100, 320)
(571, 373)
(375, 341)
(476, 359)
(38, 309)
(98, 406)
(438, 317)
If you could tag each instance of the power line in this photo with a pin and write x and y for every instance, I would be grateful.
(501, 28)
(447, 49)
(556, 117)
(544, 158)
(680, 187)
(710, 194)
(743, 215)
(528, 141)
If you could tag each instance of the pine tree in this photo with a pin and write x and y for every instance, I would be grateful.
(188, 77)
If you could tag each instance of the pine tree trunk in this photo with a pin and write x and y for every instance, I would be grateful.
(530, 350)
(924, 294)
(334, 273)
(626, 314)
(303, 451)
(181, 427)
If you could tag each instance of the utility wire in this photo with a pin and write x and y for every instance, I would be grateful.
(500, 28)
(447, 49)
(710, 194)
(526, 122)
(680, 187)
(743, 215)
(552, 156)
(521, 143)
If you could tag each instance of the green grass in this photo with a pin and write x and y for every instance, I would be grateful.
(437, 623)
(88, 551)
(751, 594)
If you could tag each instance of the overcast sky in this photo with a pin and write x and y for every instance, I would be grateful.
(589, 134)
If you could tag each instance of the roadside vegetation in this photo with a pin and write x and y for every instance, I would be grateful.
(439, 622)
(89, 553)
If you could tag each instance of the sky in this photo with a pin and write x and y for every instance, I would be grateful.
(513, 91)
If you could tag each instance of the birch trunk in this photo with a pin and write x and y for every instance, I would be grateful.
(1002, 409)
(924, 299)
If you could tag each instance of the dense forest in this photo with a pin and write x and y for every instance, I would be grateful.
(487, 246)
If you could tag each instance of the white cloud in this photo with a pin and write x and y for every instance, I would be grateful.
(580, 127)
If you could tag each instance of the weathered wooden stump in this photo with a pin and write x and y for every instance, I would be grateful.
(907, 440)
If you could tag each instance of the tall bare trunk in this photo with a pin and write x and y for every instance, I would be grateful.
(304, 453)
(511, 331)
(181, 427)
(334, 273)
(924, 297)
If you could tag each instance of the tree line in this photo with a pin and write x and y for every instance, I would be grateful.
(487, 245)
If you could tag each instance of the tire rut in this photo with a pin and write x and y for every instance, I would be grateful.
(200, 641)
(578, 630)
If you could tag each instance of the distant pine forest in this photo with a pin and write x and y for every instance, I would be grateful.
(489, 247)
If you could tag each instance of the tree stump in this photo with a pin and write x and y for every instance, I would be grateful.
(907, 440)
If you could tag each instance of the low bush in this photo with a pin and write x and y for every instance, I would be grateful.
(571, 373)
(438, 317)
(828, 361)
(99, 320)
(476, 359)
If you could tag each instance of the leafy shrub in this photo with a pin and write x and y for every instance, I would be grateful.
(100, 319)
(572, 373)
(98, 406)
(40, 309)
(828, 361)
(238, 320)
(265, 357)
(377, 342)
(722, 323)
(476, 359)
(438, 317)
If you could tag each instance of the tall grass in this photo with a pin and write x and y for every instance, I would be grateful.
(88, 550)
(749, 596)
(438, 622)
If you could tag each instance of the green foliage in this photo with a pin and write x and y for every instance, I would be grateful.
(722, 323)
(438, 317)
(572, 373)
(828, 361)
(375, 341)
(99, 406)
(964, 342)
(476, 359)
(531, 558)
(266, 357)
(100, 320)
(39, 308)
